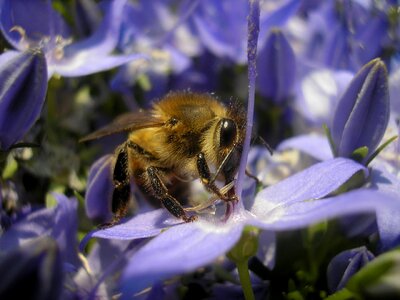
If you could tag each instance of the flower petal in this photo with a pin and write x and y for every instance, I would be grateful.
(221, 27)
(314, 182)
(388, 220)
(279, 16)
(105, 39)
(99, 190)
(84, 63)
(303, 213)
(142, 226)
(180, 249)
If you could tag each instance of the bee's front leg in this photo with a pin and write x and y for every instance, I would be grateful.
(205, 177)
(160, 191)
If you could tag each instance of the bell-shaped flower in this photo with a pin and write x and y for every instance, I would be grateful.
(35, 24)
(276, 67)
(23, 77)
(32, 271)
(362, 114)
(346, 264)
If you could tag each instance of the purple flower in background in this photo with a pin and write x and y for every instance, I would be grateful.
(22, 93)
(346, 264)
(152, 27)
(35, 24)
(58, 223)
(32, 271)
(276, 67)
(96, 277)
(318, 93)
(221, 25)
(346, 34)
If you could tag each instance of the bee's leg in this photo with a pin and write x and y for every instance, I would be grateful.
(160, 191)
(205, 177)
(122, 188)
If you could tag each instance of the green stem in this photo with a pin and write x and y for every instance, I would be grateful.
(244, 276)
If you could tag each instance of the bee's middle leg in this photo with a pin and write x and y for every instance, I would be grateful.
(205, 177)
(160, 191)
(122, 190)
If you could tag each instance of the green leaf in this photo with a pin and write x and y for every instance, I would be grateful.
(10, 168)
(343, 294)
(380, 148)
(330, 139)
(360, 154)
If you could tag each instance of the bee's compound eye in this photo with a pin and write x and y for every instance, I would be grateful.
(228, 133)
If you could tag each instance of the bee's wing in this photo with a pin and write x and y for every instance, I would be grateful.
(125, 122)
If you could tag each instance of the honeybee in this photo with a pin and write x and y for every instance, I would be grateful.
(182, 137)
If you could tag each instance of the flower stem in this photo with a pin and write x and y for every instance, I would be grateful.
(244, 277)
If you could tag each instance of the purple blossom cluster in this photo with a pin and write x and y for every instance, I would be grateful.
(317, 218)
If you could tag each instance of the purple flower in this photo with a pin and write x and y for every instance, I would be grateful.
(344, 265)
(22, 93)
(37, 25)
(293, 203)
(32, 271)
(276, 67)
(298, 201)
(362, 114)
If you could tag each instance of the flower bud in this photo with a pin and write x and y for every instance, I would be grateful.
(22, 93)
(346, 264)
(362, 113)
